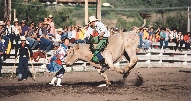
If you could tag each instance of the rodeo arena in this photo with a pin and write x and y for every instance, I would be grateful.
(93, 62)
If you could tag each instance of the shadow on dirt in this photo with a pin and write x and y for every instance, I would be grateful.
(184, 71)
(139, 81)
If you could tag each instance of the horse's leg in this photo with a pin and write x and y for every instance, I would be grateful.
(109, 61)
(104, 76)
(132, 58)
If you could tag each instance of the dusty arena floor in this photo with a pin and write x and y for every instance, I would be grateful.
(143, 84)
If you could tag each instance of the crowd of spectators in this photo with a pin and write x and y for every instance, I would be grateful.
(44, 36)
(164, 36)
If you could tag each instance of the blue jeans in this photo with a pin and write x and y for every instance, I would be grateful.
(23, 66)
(146, 43)
(165, 44)
(31, 41)
(49, 45)
(141, 41)
(79, 41)
(99, 56)
(6, 38)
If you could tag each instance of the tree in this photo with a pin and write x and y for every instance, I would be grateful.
(33, 11)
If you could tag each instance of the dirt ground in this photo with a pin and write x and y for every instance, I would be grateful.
(143, 84)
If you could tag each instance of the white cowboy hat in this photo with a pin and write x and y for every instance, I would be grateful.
(59, 30)
(23, 38)
(16, 20)
(2, 23)
(50, 16)
(92, 18)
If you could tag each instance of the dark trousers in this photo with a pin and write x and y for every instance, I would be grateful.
(23, 66)
(181, 42)
(165, 44)
(187, 45)
(17, 38)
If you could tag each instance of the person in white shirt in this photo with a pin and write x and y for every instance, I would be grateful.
(101, 40)
(88, 33)
(180, 40)
(57, 38)
(173, 35)
(10, 31)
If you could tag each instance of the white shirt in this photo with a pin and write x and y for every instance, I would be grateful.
(10, 29)
(88, 32)
(100, 27)
(180, 37)
(62, 51)
(57, 37)
(173, 35)
(73, 34)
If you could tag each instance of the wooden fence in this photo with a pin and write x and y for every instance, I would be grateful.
(150, 58)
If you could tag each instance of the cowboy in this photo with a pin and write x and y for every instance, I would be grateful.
(24, 52)
(60, 55)
(101, 39)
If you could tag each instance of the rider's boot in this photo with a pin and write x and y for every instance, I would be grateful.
(103, 64)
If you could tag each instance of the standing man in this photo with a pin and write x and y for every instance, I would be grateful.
(60, 58)
(24, 51)
(101, 39)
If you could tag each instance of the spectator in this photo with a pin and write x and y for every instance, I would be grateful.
(146, 40)
(180, 40)
(140, 36)
(64, 33)
(162, 37)
(17, 31)
(173, 35)
(58, 37)
(157, 34)
(88, 33)
(81, 33)
(30, 37)
(24, 28)
(40, 28)
(69, 32)
(187, 41)
(51, 23)
(73, 37)
(10, 32)
(167, 32)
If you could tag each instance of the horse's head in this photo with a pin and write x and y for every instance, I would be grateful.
(72, 55)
